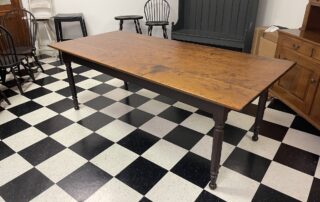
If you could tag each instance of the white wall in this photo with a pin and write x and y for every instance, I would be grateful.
(99, 14)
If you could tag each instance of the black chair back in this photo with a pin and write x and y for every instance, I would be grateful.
(157, 11)
(8, 55)
(23, 27)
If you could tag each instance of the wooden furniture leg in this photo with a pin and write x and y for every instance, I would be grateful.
(220, 117)
(259, 116)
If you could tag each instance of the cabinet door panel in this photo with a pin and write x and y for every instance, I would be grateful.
(315, 110)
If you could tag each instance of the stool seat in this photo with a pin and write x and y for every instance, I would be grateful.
(129, 17)
(69, 17)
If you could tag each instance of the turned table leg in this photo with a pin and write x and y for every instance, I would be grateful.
(72, 85)
(220, 118)
(259, 116)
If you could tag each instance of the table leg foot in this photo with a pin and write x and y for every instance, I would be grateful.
(212, 185)
(255, 138)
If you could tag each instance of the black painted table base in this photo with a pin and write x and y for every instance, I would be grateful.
(220, 113)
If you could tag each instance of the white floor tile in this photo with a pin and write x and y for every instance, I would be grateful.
(17, 100)
(71, 134)
(264, 147)
(38, 116)
(86, 96)
(204, 148)
(185, 107)
(114, 159)
(77, 115)
(115, 82)
(199, 123)
(154, 107)
(240, 120)
(61, 165)
(12, 167)
(288, 181)
(61, 75)
(6, 116)
(24, 139)
(88, 83)
(55, 86)
(49, 99)
(118, 94)
(302, 140)
(317, 174)
(115, 130)
(26, 87)
(234, 187)
(158, 126)
(115, 191)
(147, 93)
(91, 73)
(165, 154)
(117, 110)
(174, 188)
(278, 117)
(54, 194)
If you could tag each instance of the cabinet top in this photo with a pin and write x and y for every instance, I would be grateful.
(310, 36)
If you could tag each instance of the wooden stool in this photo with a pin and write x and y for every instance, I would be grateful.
(72, 17)
(135, 19)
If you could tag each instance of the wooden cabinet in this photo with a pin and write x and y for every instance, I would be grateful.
(299, 87)
(8, 5)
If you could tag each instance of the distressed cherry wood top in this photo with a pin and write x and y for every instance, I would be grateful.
(223, 77)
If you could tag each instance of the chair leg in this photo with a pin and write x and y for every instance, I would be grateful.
(150, 30)
(165, 34)
(29, 70)
(17, 80)
(35, 57)
(3, 75)
(4, 97)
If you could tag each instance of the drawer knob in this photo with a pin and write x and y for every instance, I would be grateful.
(295, 46)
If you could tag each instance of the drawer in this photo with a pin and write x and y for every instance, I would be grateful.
(315, 1)
(297, 45)
(316, 52)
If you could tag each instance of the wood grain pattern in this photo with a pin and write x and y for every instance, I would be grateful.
(226, 78)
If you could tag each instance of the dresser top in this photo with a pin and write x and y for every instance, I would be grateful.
(313, 37)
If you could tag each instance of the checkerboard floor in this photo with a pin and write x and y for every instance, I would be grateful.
(137, 145)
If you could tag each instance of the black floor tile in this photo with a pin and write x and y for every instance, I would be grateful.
(80, 69)
(301, 124)
(46, 81)
(96, 121)
(278, 105)
(53, 124)
(141, 175)
(136, 117)
(138, 141)
(314, 195)
(145, 199)
(267, 194)
(175, 114)
(193, 168)
(296, 158)
(41, 151)
(100, 103)
(250, 110)
(165, 99)
(232, 134)
(56, 63)
(91, 146)
(83, 182)
(25, 108)
(62, 105)
(12, 127)
(204, 113)
(103, 78)
(25, 187)
(67, 92)
(5, 151)
(53, 71)
(184, 137)
(77, 78)
(272, 130)
(102, 89)
(33, 94)
(134, 100)
(206, 196)
(10, 93)
(132, 88)
(248, 164)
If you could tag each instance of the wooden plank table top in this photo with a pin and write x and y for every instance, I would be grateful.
(226, 78)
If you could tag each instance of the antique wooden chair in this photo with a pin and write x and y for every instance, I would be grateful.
(157, 14)
(23, 27)
(9, 59)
